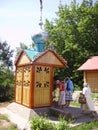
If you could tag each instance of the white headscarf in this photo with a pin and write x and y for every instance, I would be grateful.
(86, 89)
(85, 84)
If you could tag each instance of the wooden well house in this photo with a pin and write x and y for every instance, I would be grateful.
(90, 69)
(34, 77)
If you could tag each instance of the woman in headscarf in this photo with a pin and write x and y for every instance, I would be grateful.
(87, 92)
(68, 85)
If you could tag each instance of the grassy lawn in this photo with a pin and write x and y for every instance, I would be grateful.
(87, 126)
(94, 95)
(76, 104)
(5, 124)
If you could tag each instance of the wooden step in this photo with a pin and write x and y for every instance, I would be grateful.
(60, 113)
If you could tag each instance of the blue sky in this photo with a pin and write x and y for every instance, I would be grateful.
(19, 19)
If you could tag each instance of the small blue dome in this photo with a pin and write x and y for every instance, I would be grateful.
(44, 35)
(40, 39)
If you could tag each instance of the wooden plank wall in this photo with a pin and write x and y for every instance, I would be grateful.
(92, 80)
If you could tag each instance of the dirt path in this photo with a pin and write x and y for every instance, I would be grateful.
(4, 104)
(4, 122)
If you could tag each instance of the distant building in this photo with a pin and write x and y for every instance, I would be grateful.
(90, 68)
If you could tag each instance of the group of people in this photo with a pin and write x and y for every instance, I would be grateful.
(65, 92)
(65, 89)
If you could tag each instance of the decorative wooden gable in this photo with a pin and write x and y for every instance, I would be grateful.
(52, 58)
(24, 59)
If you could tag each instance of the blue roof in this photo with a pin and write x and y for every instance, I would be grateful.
(31, 53)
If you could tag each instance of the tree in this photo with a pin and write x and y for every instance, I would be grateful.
(5, 55)
(24, 46)
(74, 35)
(6, 73)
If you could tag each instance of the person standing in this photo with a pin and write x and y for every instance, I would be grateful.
(55, 94)
(87, 92)
(61, 101)
(68, 86)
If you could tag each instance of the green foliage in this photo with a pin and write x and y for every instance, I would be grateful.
(5, 56)
(6, 73)
(41, 123)
(94, 95)
(76, 104)
(62, 125)
(4, 117)
(12, 127)
(6, 85)
(88, 126)
(24, 46)
(74, 36)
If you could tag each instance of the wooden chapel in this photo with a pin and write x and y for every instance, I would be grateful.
(34, 77)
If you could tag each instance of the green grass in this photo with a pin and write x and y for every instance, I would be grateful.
(4, 117)
(87, 126)
(11, 126)
(94, 95)
(74, 103)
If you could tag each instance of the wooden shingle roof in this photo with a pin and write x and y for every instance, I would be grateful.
(90, 64)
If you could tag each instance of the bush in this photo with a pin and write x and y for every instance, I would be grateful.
(43, 123)
(6, 93)
(63, 124)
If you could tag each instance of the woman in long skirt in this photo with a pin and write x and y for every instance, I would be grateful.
(61, 101)
(87, 92)
(68, 92)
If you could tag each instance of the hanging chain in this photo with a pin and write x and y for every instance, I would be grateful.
(41, 7)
